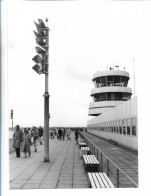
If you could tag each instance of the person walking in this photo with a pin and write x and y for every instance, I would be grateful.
(51, 135)
(40, 132)
(59, 134)
(35, 138)
(32, 131)
(18, 138)
(63, 133)
(68, 134)
(76, 136)
(25, 146)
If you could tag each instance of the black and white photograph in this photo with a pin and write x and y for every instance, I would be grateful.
(73, 96)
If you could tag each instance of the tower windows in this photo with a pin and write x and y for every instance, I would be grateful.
(111, 81)
(112, 96)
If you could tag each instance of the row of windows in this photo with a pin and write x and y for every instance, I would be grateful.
(124, 127)
(111, 81)
(112, 96)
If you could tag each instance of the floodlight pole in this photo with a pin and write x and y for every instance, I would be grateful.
(46, 101)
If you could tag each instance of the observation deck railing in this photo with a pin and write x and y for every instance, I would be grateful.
(101, 156)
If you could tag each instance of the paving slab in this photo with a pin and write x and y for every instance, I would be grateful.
(65, 169)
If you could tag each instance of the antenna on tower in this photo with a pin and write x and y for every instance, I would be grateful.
(134, 77)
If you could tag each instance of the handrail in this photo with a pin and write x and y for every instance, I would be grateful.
(119, 169)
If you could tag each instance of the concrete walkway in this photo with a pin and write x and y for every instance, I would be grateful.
(64, 170)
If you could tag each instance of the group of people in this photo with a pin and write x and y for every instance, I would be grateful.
(23, 140)
(63, 133)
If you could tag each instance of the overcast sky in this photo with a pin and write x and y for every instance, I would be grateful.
(85, 37)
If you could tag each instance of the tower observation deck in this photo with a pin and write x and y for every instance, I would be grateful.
(110, 90)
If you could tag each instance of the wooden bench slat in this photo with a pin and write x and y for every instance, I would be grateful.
(85, 159)
(90, 160)
(85, 148)
(100, 180)
(104, 180)
(96, 181)
(109, 181)
(95, 160)
(91, 180)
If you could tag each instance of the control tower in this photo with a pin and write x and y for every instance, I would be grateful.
(110, 90)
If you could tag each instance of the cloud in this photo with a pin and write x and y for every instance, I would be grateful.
(77, 75)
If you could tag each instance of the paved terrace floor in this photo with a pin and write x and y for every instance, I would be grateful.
(64, 170)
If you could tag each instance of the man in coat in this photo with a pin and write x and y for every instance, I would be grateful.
(18, 138)
(76, 136)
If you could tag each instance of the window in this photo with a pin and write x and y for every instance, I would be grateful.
(124, 127)
(102, 97)
(110, 80)
(121, 125)
(108, 96)
(107, 127)
(128, 127)
(103, 81)
(102, 126)
(118, 130)
(116, 80)
(96, 97)
(111, 126)
(126, 96)
(133, 121)
(115, 128)
(112, 96)
(118, 96)
(122, 81)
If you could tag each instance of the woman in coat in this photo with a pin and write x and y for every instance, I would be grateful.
(26, 143)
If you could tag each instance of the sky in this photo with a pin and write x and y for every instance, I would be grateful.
(84, 38)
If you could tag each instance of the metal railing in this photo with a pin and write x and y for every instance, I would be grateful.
(101, 157)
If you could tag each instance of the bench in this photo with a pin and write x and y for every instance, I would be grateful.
(91, 163)
(84, 151)
(82, 144)
(81, 140)
(99, 180)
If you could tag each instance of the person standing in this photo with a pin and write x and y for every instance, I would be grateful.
(18, 138)
(76, 136)
(35, 138)
(25, 147)
(40, 131)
